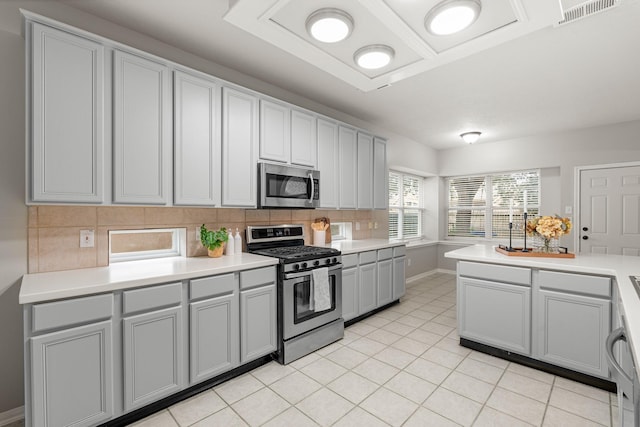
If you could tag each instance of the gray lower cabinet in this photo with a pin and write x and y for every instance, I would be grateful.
(385, 281)
(153, 358)
(573, 320)
(350, 293)
(399, 281)
(214, 344)
(497, 314)
(257, 313)
(71, 376)
(367, 287)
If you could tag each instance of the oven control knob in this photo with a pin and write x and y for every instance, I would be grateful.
(304, 265)
(327, 261)
(335, 260)
(296, 267)
(316, 263)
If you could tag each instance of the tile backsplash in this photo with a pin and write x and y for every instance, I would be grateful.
(54, 231)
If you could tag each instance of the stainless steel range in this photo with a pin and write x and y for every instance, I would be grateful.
(309, 289)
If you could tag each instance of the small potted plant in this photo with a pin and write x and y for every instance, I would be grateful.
(213, 240)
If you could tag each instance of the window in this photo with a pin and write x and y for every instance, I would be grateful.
(479, 205)
(129, 245)
(341, 231)
(406, 206)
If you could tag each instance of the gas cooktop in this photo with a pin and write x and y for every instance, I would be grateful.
(297, 253)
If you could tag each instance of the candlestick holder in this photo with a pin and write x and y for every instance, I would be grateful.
(525, 233)
(510, 248)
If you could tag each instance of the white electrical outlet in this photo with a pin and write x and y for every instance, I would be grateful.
(198, 234)
(408, 262)
(568, 210)
(357, 226)
(86, 238)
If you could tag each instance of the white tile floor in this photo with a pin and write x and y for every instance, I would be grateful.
(401, 367)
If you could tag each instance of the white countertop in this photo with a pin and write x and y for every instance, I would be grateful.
(40, 287)
(354, 246)
(618, 266)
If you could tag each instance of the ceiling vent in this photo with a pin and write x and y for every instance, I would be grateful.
(584, 9)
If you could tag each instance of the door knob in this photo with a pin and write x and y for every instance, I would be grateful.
(585, 228)
(585, 237)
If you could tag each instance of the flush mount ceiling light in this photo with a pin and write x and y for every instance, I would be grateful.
(452, 16)
(329, 25)
(374, 56)
(470, 137)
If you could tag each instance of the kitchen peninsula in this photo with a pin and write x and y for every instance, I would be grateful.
(553, 311)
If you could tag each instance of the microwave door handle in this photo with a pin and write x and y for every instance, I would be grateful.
(313, 187)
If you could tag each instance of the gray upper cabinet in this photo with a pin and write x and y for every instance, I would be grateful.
(328, 163)
(275, 131)
(197, 133)
(348, 167)
(153, 356)
(239, 148)
(365, 171)
(67, 117)
(380, 175)
(303, 139)
(71, 376)
(142, 130)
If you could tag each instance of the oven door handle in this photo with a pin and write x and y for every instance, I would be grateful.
(313, 187)
(289, 276)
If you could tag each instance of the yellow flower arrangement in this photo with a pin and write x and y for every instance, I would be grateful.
(548, 227)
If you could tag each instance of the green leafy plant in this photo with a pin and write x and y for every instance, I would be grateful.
(212, 239)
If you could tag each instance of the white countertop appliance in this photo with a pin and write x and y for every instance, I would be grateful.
(309, 289)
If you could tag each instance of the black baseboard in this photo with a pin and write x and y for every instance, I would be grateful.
(370, 313)
(168, 401)
(543, 366)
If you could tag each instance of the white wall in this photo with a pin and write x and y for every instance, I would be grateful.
(557, 154)
(13, 218)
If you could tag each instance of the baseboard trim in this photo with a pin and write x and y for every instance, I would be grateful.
(11, 416)
(429, 273)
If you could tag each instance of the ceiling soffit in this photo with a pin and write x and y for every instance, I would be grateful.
(395, 23)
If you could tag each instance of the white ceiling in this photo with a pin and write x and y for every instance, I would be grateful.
(578, 75)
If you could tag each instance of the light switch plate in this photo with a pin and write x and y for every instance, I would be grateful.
(86, 238)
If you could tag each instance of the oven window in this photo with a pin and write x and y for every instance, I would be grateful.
(287, 187)
(303, 295)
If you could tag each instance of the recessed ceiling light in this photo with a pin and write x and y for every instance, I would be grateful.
(329, 25)
(374, 56)
(452, 16)
(470, 137)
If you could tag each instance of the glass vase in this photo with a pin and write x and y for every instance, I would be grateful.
(550, 245)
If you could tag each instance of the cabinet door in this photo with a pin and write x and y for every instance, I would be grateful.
(380, 174)
(399, 281)
(365, 171)
(367, 288)
(496, 314)
(67, 85)
(197, 141)
(152, 351)
(385, 281)
(239, 148)
(350, 293)
(275, 131)
(348, 167)
(142, 130)
(328, 163)
(257, 322)
(215, 335)
(71, 376)
(303, 139)
(573, 330)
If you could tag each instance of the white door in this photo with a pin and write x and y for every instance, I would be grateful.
(609, 211)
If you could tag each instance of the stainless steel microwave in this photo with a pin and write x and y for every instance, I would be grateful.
(282, 186)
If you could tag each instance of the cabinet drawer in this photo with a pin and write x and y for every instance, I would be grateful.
(498, 273)
(399, 251)
(578, 283)
(350, 260)
(152, 297)
(212, 286)
(367, 257)
(385, 254)
(259, 276)
(73, 311)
